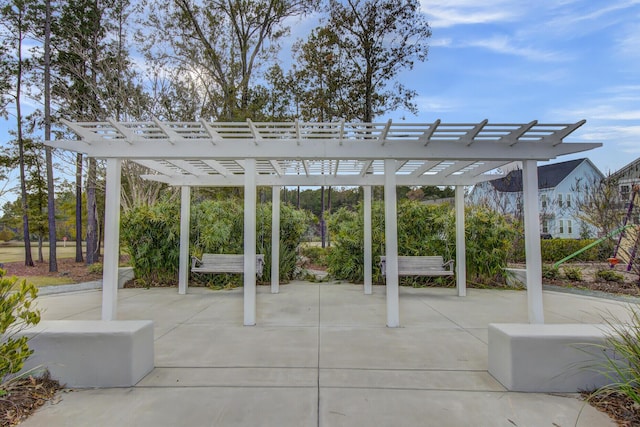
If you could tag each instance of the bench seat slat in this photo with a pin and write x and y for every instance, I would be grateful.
(224, 263)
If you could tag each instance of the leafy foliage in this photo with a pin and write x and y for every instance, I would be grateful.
(550, 272)
(152, 237)
(422, 230)
(17, 311)
(553, 250)
(609, 276)
(572, 273)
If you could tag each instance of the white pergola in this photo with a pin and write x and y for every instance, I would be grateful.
(248, 154)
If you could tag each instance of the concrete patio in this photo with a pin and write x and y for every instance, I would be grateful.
(320, 355)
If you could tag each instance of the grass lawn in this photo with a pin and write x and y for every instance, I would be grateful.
(14, 251)
(39, 281)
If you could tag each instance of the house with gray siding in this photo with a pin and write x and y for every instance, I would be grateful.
(560, 189)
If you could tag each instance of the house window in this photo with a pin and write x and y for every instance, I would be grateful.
(560, 200)
(567, 200)
(569, 227)
(561, 226)
(545, 226)
(624, 192)
(543, 201)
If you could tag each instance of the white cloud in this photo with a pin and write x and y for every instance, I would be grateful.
(505, 45)
(444, 14)
(435, 104)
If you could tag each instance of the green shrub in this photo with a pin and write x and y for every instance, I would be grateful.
(317, 255)
(422, 230)
(6, 235)
(553, 250)
(550, 272)
(572, 273)
(151, 235)
(96, 267)
(609, 276)
(17, 311)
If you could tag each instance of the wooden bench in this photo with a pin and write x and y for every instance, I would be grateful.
(224, 263)
(420, 266)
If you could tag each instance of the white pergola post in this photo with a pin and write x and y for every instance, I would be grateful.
(391, 243)
(275, 240)
(185, 212)
(532, 241)
(111, 240)
(461, 248)
(250, 242)
(368, 274)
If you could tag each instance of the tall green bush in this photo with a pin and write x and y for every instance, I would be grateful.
(422, 230)
(151, 236)
(488, 237)
(17, 311)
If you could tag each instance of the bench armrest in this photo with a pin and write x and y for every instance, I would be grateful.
(259, 264)
(383, 266)
(195, 261)
(448, 265)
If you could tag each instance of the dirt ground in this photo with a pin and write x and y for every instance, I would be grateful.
(76, 272)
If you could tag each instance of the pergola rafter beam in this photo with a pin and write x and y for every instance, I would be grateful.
(218, 167)
(470, 137)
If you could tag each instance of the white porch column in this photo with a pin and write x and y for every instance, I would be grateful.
(532, 241)
(461, 248)
(185, 212)
(250, 242)
(275, 240)
(111, 240)
(391, 243)
(368, 288)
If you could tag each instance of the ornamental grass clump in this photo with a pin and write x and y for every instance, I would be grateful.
(621, 366)
(17, 312)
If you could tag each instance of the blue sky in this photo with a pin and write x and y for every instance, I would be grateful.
(555, 61)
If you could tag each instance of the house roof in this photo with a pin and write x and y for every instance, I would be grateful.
(337, 153)
(549, 176)
(630, 171)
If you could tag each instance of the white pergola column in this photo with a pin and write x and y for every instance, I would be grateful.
(250, 242)
(368, 274)
(461, 247)
(111, 240)
(391, 243)
(275, 240)
(532, 241)
(185, 212)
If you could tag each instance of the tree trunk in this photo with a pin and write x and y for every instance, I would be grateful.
(51, 212)
(40, 244)
(92, 213)
(79, 257)
(322, 234)
(28, 259)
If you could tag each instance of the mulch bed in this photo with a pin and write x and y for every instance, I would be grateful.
(67, 267)
(19, 398)
(623, 410)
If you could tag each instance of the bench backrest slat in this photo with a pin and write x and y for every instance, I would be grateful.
(226, 263)
(419, 265)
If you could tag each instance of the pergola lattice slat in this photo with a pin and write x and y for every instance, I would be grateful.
(223, 145)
